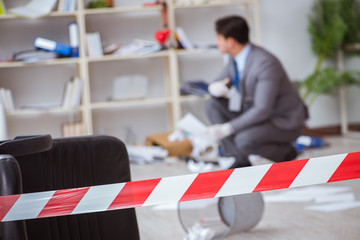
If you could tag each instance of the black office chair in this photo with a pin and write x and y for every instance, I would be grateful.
(39, 163)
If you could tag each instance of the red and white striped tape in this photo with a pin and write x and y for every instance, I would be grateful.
(181, 188)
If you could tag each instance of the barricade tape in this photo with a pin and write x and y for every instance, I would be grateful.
(214, 184)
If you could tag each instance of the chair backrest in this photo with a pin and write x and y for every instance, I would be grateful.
(79, 162)
(10, 183)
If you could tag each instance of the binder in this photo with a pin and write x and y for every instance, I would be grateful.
(94, 44)
(53, 46)
(6, 99)
(74, 38)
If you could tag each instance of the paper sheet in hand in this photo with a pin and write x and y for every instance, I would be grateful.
(190, 124)
(34, 9)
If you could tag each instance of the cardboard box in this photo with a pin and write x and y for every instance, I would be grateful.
(175, 149)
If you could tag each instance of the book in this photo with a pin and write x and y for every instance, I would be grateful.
(76, 93)
(72, 5)
(183, 39)
(73, 129)
(34, 55)
(72, 93)
(94, 46)
(10, 99)
(67, 94)
(53, 46)
(60, 7)
(2, 7)
(74, 39)
(67, 5)
(7, 99)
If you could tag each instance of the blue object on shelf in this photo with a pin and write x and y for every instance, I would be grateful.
(53, 46)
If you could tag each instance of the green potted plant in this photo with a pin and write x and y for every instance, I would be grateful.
(100, 4)
(334, 27)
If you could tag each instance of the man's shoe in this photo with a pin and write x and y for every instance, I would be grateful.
(291, 155)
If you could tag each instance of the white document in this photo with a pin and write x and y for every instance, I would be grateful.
(305, 194)
(335, 206)
(146, 153)
(34, 9)
(342, 197)
(190, 124)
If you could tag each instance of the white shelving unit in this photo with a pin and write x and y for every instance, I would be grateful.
(43, 82)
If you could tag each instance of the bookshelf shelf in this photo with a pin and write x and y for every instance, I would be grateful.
(8, 16)
(52, 14)
(165, 69)
(193, 98)
(57, 61)
(42, 111)
(223, 3)
(120, 10)
(130, 103)
(132, 56)
(62, 14)
(182, 52)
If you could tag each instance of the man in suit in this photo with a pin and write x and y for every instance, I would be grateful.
(254, 107)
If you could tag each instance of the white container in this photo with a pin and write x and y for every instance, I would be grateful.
(130, 87)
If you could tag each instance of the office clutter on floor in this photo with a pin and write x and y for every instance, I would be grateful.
(188, 142)
(146, 154)
(191, 143)
(304, 142)
(176, 148)
(198, 232)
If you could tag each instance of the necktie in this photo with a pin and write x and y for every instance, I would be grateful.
(236, 78)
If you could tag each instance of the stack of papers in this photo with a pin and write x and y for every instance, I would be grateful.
(138, 47)
(326, 198)
(34, 9)
(146, 154)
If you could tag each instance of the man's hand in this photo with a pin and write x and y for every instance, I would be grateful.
(220, 131)
(219, 88)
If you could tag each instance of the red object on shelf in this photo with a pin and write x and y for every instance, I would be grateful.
(162, 35)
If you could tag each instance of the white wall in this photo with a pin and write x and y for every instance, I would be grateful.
(283, 27)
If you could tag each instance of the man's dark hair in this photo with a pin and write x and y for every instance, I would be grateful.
(233, 26)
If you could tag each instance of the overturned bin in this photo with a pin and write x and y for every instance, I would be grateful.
(222, 216)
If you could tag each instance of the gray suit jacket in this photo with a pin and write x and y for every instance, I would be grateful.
(267, 93)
